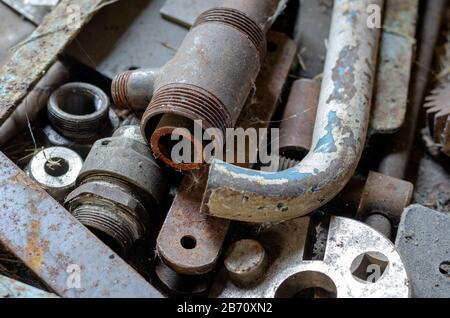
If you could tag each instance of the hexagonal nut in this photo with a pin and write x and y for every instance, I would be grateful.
(108, 192)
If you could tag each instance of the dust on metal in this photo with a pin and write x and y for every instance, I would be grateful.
(397, 50)
(34, 56)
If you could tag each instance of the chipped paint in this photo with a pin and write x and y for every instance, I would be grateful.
(327, 143)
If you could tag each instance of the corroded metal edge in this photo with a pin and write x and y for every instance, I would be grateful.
(63, 253)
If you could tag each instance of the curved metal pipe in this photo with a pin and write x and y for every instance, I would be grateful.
(339, 137)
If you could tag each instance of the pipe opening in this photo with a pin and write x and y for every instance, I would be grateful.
(78, 103)
(309, 284)
(176, 143)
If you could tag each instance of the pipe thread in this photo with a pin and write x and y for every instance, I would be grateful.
(238, 21)
(192, 102)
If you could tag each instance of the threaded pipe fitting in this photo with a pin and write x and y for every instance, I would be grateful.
(78, 110)
(116, 197)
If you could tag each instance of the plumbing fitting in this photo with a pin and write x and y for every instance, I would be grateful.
(78, 110)
(184, 222)
(209, 79)
(358, 262)
(339, 137)
(79, 114)
(56, 170)
(119, 187)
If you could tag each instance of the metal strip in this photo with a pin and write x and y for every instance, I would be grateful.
(33, 57)
(63, 253)
(397, 50)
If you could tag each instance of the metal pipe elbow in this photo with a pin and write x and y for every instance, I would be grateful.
(339, 137)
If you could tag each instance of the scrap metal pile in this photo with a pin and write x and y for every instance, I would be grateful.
(353, 97)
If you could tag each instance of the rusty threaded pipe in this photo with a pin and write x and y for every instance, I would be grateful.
(339, 136)
(210, 77)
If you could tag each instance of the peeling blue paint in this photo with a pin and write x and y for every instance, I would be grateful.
(290, 175)
(327, 143)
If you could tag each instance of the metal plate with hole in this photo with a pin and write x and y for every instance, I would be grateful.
(359, 263)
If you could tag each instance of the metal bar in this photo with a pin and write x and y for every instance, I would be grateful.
(339, 138)
(397, 50)
(34, 57)
(48, 240)
(398, 149)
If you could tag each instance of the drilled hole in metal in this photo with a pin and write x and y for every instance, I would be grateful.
(369, 267)
(309, 284)
(188, 242)
(56, 167)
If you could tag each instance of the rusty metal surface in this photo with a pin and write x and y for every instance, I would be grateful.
(34, 56)
(398, 149)
(10, 288)
(184, 217)
(385, 195)
(184, 223)
(397, 50)
(52, 243)
(297, 125)
(189, 85)
(349, 242)
(339, 137)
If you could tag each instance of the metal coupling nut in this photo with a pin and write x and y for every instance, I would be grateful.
(119, 187)
(78, 110)
(56, 170)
